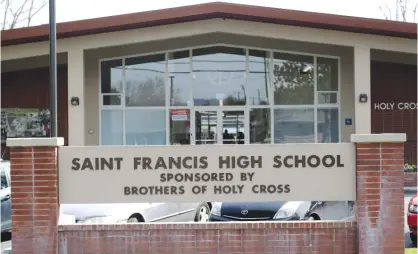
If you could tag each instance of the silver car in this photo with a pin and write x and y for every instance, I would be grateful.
(110, 213)
(136, 212)
(330, 210)
(6, 217)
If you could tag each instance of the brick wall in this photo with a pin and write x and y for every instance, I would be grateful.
(410, 179)
(380, 197)
(378, 228)
(34, 199)
(228, 238)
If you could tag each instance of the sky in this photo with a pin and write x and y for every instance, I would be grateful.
(70, 10)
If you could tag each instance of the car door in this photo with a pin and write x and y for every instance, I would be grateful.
(162, 212)
(335, 210)
(6, 218)
(188, 211)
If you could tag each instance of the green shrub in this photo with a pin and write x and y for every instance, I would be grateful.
(410, 168)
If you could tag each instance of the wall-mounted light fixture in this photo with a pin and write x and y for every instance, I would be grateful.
(75, 101)
(363, 98)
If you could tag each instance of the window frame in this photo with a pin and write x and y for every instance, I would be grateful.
(247, 107)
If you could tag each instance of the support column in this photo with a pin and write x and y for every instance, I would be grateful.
(34, 194)
(363, 114)
(380, 196)
(76, 117)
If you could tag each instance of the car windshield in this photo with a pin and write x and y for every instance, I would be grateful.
(3, 180)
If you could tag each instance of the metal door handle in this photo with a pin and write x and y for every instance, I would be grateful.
(5, 197)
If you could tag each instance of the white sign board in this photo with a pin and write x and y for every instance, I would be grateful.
(225, 173)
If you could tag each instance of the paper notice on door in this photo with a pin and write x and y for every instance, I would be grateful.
(179, 115)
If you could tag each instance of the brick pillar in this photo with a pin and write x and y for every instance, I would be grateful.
(34, 194)
(380, 196)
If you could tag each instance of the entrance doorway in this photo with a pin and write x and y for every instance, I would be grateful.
(219, 126)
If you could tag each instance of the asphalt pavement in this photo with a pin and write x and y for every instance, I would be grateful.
(6, 242)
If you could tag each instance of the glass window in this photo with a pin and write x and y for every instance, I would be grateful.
(4, 183)
(219, 76)
(260, 126)
(145, 84)
(294, 126)
(145, 126)
(327, 98)
(111, 100)
(258, 78)
(179, 78)
(111, 127)
(327, 74)
(233, 131)
(293, 79)
(179, 127)
(111, 76)
(206, 127)
(328, 127)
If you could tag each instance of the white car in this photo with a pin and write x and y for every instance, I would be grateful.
(135, 212)
(330, 210)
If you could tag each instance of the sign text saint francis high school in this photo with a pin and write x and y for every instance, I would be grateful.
(188, 162)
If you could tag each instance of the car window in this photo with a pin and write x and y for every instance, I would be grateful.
(4, 183)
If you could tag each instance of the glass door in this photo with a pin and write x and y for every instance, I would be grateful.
(233, 127)
(220, 126)
(206, 127)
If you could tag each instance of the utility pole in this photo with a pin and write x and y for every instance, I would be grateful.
(53, 68)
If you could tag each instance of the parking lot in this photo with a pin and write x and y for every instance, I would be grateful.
(6, 242)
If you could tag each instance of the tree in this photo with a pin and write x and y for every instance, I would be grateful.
(20, 13)
(146, 92)
(291, 86)
(404, 10)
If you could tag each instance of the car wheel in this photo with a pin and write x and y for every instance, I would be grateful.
(313, 217)
(413, 239)
(202, 214)
(133, 220)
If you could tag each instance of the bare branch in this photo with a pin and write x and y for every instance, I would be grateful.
(34, 11)
(403, 6)
(383, 12)
(30, 12)
(389, 10)
(16, 15)
(20, 13)
(6, 8)
(402, 10)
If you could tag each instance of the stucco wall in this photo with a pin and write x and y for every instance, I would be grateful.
(92, 58)
(151, 44)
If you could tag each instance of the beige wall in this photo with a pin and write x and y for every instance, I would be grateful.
(261, 35)
(92, 58)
